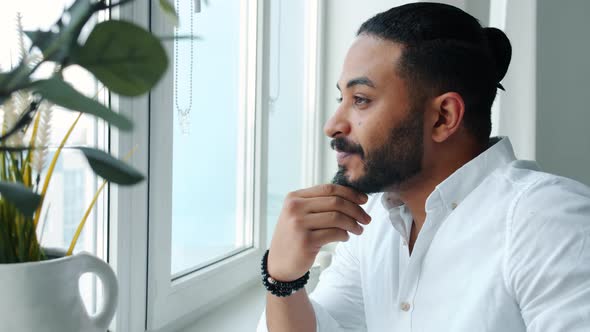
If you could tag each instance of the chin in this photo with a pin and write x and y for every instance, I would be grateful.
(353, 177)
(346, 178)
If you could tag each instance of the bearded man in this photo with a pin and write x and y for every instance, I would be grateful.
(458, 235)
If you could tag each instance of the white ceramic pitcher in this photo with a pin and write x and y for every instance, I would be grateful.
(45, 296)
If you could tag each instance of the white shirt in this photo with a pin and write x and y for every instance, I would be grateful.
(504, 248)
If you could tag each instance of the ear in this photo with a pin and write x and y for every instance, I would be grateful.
(448, 110)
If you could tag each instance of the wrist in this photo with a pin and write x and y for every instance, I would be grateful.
(280, 287)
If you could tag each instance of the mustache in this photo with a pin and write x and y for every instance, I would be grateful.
(341, 144)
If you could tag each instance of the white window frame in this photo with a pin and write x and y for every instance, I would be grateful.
(171, 300)
(312, 117)
(139, 246)
(128, 217)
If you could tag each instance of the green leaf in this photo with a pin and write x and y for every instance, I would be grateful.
(63, 94)
(126, 58)
(49, 43)
(168, 8)
(4, 93)
(56, 46)
(110, 168)
(25, 200)
(80, 12)
(17, 78)
(3, 78)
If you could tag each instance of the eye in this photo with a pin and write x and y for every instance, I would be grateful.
(339, 100)
(360, 101)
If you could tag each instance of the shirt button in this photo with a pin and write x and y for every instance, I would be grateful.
(404, 243)
(405, 306)
(454, 206)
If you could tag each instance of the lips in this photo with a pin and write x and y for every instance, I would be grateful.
(342, 156)
(345, 150)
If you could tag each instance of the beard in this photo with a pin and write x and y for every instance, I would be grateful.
(398, 159)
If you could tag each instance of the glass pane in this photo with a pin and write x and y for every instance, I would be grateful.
(207, 221)
(286, 93)
(73, 183)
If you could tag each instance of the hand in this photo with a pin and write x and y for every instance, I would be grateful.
(311, 218)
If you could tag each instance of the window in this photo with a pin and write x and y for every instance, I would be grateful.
(217, 181)
(292, 120)
(203, 182)
(192, 235)
(210, 140)
(73, 183)
(73, 202)
(218, 176)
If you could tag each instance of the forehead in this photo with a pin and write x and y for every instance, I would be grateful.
(371, 57)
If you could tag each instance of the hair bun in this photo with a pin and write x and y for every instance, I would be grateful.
(501, 50)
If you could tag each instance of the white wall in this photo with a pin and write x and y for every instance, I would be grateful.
(544, 110)
(514, 113)
(563, 83)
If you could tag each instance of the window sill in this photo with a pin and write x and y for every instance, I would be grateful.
(242, 312)
(236, 315)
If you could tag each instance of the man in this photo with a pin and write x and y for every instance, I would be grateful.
(459, 236)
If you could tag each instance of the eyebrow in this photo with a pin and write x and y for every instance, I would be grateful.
(358, 81)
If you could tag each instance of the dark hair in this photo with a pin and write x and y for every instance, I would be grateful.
(445, 49)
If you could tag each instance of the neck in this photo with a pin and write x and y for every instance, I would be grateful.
(415, 191)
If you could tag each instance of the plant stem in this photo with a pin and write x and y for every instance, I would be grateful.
(28, 169)
(51, 168)
(84, 218)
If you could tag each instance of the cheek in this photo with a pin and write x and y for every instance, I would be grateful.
(373, 135)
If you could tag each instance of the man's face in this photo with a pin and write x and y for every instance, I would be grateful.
(377, 130)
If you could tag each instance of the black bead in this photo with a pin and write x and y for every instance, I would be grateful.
(281, 288)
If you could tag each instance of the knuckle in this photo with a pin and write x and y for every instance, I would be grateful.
(291, 204)
(296, 224)
(335, 201)
(334, 216)
(328, 189)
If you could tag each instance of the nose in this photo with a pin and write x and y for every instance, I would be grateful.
(337, 124)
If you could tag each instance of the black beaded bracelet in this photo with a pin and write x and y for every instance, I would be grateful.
(280, 288)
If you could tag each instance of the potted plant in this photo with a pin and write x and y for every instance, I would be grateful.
(39, 286)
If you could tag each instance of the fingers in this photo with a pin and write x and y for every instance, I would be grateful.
(332, 219)
(322, 237)
(327, 190)
(337, 204)
(309, 219)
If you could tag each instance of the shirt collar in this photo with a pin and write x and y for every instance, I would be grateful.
(399, 215)
(450, 192)
(458, 185)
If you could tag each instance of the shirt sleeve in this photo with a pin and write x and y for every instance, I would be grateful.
(548, 261)
(337, 299)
